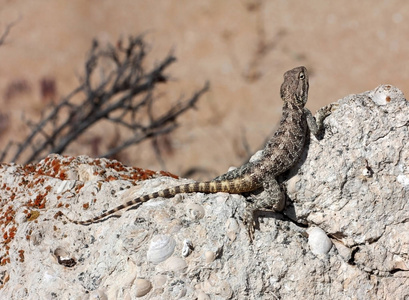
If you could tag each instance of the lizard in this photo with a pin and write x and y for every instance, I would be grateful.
(281, 152)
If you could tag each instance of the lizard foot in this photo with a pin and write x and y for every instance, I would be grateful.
(325, 111)
(250, 223)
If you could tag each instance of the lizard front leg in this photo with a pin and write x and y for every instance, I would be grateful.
(272, 198)
(315, 123)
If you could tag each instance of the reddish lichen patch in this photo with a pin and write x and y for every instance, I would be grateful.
(29, 169)
(147, 174)
(164, 173)
(9, 235)
(37, 188)
(4, 260)
(21, 255)
(111, 178)
(39, 201)
(116, 165)
(8, 232)
(54, 166)
(8, 216)
(78, 187)
(58, 214)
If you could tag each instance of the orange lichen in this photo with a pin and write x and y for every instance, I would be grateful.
(21, 255)
(29, 169)
(79, 187)
(63, 175)
(39, 201)
(34, 182)
(8, 216)
(111, 178)
(164, 173)
(8, 236)
(4, 261)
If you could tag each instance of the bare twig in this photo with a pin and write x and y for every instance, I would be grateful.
(7, 31)
(123, 95)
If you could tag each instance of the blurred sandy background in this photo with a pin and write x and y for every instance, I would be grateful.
(242, 47)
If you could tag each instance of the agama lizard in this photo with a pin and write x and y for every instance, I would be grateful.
(282, 152)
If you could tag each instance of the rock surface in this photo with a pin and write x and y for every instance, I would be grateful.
(351, 190)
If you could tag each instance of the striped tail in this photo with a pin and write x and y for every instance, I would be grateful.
(235, 186)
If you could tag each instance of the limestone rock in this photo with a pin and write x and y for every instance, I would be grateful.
(352, 184)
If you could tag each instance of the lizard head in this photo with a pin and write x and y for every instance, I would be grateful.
(295, 86)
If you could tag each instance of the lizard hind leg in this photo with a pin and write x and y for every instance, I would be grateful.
(271, 198)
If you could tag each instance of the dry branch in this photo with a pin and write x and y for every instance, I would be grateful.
(6, 31)
(123, 95)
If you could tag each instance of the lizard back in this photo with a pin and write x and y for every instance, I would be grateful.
(281, 152)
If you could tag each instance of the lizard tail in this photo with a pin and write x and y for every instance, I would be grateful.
(228, 186)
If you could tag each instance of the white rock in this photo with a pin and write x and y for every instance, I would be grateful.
(318, 241)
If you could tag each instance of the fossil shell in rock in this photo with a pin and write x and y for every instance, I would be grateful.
(64, 258)
(292, 184)
(175, 264)
(143, 287)
(159, 281)
(87, 173)
(210, 256)
(195, 211)
(318, 240)
(187, 248)
(65, 185)
(225, 290)
(161, 248)
(232, 228)
(98, 295)
(4, 278)
(202, 296)
(384, 94)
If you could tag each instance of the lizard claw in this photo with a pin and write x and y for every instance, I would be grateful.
(325, 111)
(250, 224)
(250, 231)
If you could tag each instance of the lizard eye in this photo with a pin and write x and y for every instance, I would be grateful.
(302, 76)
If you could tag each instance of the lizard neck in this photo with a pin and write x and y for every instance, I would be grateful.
(284, 149)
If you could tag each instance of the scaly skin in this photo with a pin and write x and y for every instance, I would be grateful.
(282, 152)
